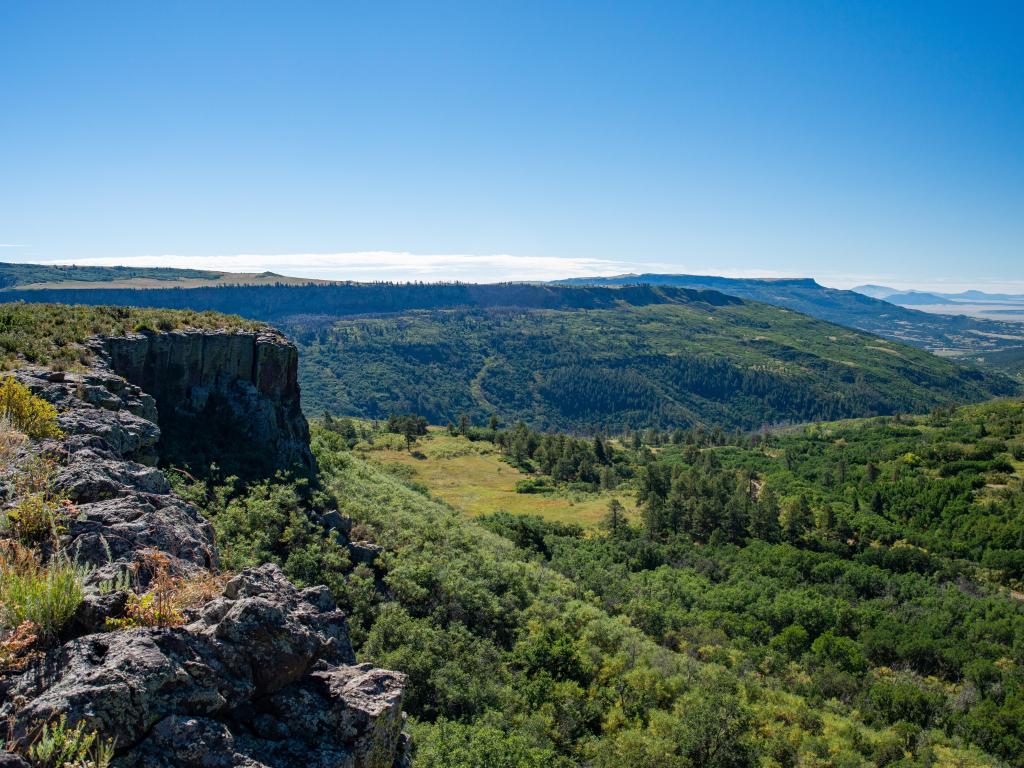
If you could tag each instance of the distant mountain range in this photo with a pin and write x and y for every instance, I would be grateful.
(903, 297)
(996, 341)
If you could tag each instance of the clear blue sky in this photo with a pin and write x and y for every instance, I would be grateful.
(844, 140)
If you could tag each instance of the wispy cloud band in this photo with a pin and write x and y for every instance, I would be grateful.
(386, 265)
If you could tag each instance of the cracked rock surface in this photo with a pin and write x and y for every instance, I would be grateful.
(263, 675)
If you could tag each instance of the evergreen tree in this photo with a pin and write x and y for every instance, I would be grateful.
(796, 518)
(764, 521)
(615, 517)
(877, 505)
(825, 521)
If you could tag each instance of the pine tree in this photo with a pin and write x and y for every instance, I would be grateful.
(825, 521)
(615, 517)
(877, 504)
(764, 521)
(736, 519)
(796, 518)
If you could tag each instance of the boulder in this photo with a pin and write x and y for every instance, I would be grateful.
(265, 676)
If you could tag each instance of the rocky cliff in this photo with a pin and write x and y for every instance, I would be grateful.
(261, 673)
(238, 390)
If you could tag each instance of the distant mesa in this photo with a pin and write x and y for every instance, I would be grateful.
(912, 298)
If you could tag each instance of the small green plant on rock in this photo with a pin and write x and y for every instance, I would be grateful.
(28, 413)
(60, 745)
(45, 595)
(38, 516)
(33, 519)
(168, 598)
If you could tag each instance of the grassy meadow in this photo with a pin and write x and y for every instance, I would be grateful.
(473, 478)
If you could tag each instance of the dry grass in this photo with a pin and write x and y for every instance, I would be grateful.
(17, 647)
(473, 478)
(10, 438)
(169, 598)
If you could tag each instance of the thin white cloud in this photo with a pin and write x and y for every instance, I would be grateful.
(13, 245)
(387, 265)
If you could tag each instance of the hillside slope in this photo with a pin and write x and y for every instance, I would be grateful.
(576, 357)
(952, 334)
(272, 297)
(633, 652)
(70, 277)
(12, 274)
(688, 361)
(274, 303)
(876, 557)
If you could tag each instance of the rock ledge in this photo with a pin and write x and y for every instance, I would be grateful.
(264, 674)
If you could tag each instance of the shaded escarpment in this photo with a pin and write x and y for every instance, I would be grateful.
(261, 674)
(232, 398)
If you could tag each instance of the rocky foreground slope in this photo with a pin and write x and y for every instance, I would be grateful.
(262, 674)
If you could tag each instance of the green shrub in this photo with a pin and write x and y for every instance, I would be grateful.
(47, 596)
(32, 520)
(903, 699)
(534, 485)
(60, 746)
(28, 413)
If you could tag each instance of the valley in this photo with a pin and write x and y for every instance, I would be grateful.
(637, 528)
(678, 362)
(372, 394)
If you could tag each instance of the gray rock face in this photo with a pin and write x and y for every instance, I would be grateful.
(123, 508)
(254, 374)
(263, 676)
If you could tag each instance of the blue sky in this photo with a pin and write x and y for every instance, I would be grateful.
(850, 141)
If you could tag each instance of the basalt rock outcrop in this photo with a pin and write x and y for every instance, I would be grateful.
(210, 383)
(264, 676)
(261, 675)
(123, 506)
